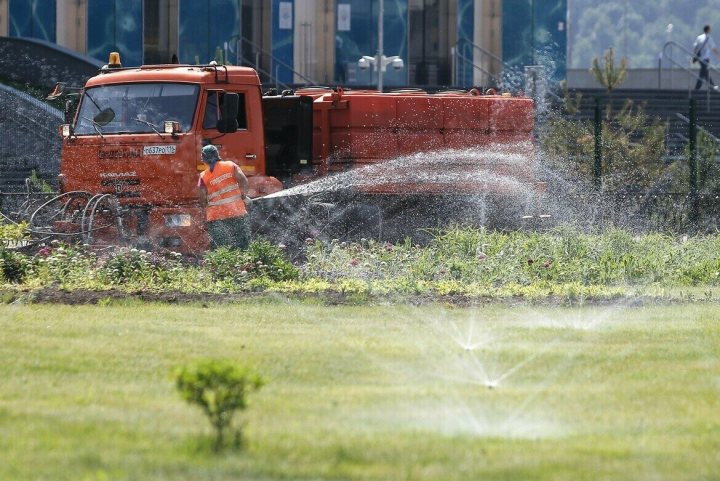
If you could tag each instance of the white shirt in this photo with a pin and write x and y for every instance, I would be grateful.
(704, 53)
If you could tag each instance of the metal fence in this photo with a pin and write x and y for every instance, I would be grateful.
(31, 141)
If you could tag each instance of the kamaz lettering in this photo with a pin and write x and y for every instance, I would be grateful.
(112, 175)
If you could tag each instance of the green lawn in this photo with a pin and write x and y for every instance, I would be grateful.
(372, 392)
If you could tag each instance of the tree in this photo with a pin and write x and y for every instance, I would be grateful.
(219, 388)
(609, 75)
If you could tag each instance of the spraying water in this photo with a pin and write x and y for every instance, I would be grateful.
(493, 185)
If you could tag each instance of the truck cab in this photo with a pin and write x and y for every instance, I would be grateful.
(137, 135)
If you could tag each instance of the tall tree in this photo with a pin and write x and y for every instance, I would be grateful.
(609, 75)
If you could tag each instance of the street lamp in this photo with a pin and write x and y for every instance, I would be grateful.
(365, 62)
(380, 62)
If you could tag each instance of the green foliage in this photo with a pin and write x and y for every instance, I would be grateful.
(130, 264)
(219, 388)
(39, 185)
(458, 261)
(11, 233)
(571, 105)
(708, 173)
(13, 265)
(262, 260)
(467, 261)
(633, 149)
(609, 75)
(66, 265)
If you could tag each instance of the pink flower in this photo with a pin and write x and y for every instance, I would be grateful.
(481, 256)
(281, 246)
(547, 264)
(308, 240)
(442, 271)
(530, 262)
(314, 233)
(389, 247)
(354, 262)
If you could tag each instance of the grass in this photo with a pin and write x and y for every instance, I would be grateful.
(364, 392)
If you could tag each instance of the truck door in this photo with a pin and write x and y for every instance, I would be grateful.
(245, 146)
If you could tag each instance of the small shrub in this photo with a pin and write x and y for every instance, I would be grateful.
(261, 261)
(128, 264)
(219, 389)
(12, 233)
(14, 266)
(271, 261)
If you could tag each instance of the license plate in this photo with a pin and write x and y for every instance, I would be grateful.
(158, 149)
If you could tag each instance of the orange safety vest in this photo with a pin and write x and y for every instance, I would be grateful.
(223, 192)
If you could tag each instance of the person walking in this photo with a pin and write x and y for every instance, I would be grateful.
(222, 189)
(702, 47)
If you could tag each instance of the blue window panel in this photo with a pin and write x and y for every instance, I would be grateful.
(33, 19)
(20, 18)
(117, 26)
(551, 38)
(205, 27)
(224, 24)
(194, 32)
(517, 36)
(535, 33)
(466, 36)
(282, 43)
(129, 31)
(362, 39)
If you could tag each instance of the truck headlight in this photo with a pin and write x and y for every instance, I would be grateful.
(178, 220)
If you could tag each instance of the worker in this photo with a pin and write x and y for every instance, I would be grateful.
(222, 189)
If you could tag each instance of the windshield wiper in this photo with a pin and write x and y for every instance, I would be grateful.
(97, 126)
(151, 125)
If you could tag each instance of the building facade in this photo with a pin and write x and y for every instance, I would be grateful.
(442, 42)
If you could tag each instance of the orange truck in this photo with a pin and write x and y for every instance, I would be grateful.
(132, 139)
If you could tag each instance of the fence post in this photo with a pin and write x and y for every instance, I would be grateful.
(692, 164)
(597, 164)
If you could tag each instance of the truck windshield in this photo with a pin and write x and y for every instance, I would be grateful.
(136, 108)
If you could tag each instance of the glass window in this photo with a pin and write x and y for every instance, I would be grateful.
(118, 27)
(205, 26)
(212, 110)
(33, 19)
(357, 35)
(136, 108)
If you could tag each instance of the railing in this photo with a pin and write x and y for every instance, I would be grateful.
(464, 52)
(687, 121)
(236, 46)
(48, 109)
(684, 64)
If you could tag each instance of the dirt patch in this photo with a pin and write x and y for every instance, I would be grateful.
(54, 295)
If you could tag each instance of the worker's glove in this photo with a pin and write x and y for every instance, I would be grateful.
(248, 201)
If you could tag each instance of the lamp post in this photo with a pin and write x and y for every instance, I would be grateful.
(380, 62)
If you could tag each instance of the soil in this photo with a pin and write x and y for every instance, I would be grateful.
(54, 295)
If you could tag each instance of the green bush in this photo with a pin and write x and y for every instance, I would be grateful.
(13, 265)
(12, 233)
(219, 389)
(262, 260)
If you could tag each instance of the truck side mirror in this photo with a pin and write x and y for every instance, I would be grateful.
(227, 124)
(59, 90)
(69, 111)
